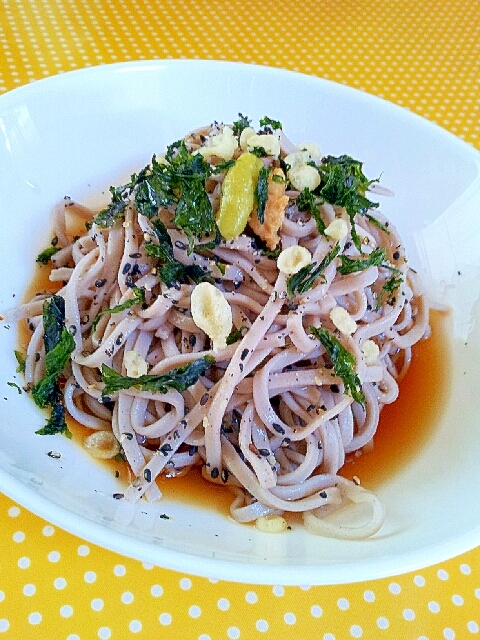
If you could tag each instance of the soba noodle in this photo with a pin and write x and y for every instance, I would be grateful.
(299, 382)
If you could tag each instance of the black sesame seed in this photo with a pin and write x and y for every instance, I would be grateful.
(100, 283)
(334, 388)
(165, 449)
(192, 450)
(278, 428)
(192, 340)
(54, 454)
(263, 452)
(323, 494)
(244, 354)
(204, 399)
(396, 255)
(180, 245)
(147, 474)
(118, 496)
(128, 436)
(135, 255)
(215, 473)
(126, 268)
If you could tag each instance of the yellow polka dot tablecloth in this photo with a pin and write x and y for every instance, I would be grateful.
(422, 55)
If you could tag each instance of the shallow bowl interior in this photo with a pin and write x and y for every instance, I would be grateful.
(78, 133)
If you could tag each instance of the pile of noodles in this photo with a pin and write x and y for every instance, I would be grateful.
(269, 419)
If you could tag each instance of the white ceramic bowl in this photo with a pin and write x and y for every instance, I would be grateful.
(80, 132)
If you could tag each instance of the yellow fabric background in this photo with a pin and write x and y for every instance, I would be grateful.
(423, 55)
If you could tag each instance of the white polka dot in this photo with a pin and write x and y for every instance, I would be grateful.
(97, 604)
(382, 623)
(119, 570)
(251, 597)
(477, 593)
(73, 636)
(127, 597)
(35, 617)
(442, 574)
(156, 590)
(278, 590)
(83, 550)
(465, 569)
(233, 633)
(316, 611)
(305, 587)
(204, 636)
(29, 589)
(18, 536)
(194, 611)
(458, 600)
(4, 623)
(328, 636)
(472, 626)
(59, 583)
(419, 581)
(369, 596)
(408, 614)
(54, 556)
(185, 584)
(261, 625)
(290, 618)
(23, 562)
(449, 634)
(104, 633)
(147, 565)
(14, 512)
(90, 577)
(2, 596)
(356, 631)
(135, 626)
(343, 604)
(394, 588)
(433, 606)
(165, 618)
(66, 611)
(223, 604)
(48, 530)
